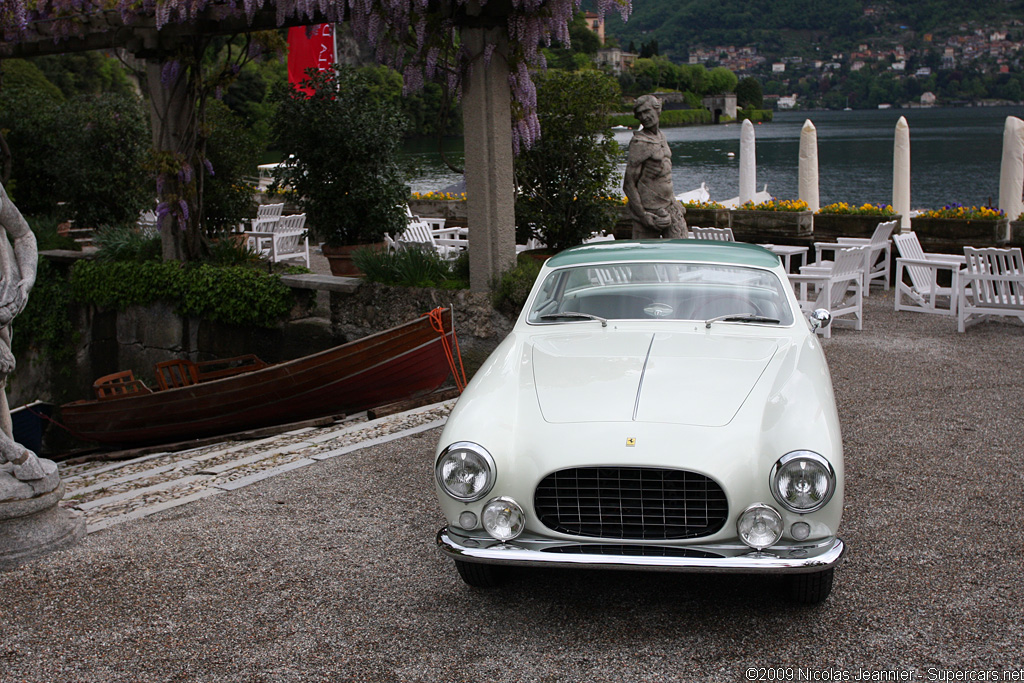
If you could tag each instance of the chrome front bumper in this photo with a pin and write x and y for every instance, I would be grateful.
(531, 551)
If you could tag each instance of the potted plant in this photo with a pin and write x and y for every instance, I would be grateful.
(849, 220)
(707, 215)
(1016, 236)
(775, 218)
(955, 226)
(343, 143)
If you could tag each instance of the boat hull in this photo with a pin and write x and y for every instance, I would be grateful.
(398, 363)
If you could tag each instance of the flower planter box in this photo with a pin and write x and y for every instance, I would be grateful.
(1016, 237)
(709, 218)
(453, 211)
(751, 225)
(951, 235)
(828, 226)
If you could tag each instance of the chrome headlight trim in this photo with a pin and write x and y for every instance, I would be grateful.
(474, 451)
(759, 521)
(792, 458)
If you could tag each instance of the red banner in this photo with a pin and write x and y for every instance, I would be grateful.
(312, 51)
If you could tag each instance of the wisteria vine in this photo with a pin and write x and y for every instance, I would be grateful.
(418, 38)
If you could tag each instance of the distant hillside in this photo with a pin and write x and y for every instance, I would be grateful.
(799, 27)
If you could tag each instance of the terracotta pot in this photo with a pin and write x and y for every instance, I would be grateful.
(340, 258)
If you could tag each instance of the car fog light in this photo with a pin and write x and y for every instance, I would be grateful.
(467, 520)
(760, 526)
(800, 530)
(503, 518)
(802, 481)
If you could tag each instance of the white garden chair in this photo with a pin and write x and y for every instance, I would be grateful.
(715, 234)
(419, 235)
(881, 246)
(289, 240)
(840, 289)
(924, 294)
(992, 283)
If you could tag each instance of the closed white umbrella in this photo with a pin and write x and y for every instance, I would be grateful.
(1011, 172)
(748, 163)
(901, 173)
(808, 169)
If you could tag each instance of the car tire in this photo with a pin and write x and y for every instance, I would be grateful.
(810, 589)
(480, 575)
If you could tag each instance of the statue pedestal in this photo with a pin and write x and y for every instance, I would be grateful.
(31, 521)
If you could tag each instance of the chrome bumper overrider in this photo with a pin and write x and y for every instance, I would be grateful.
(527, 551)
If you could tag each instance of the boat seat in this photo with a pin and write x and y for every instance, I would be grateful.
(176, 373)
(118, 384)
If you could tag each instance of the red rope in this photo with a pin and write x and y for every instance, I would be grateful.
(437, 322)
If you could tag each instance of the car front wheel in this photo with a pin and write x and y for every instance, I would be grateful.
(480, 575)
(810, 589)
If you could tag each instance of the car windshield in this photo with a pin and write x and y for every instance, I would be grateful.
(668, 291)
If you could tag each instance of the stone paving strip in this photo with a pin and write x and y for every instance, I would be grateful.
(110, 493)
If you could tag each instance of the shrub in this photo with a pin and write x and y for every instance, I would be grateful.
(510, 292)
(409, 267)
(566, 177)
(121, 243)
(234, 152)
(342, 147)
(233, 294)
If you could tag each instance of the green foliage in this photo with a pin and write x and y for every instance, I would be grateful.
(234, 151)
(45, 324)
(227, 250)
(47, 231)
(749, 93)
(510, 292)
(410, 267)
(122, 243)
(341, 148)
(106, 145)
(566, 178)
(235, 294)
(755, 115)
(85, 73)
(30, 120)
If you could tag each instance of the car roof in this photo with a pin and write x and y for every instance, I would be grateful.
(710, 251)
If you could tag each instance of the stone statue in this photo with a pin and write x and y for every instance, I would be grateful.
(18, 273)
(648, 181)
(31, 521)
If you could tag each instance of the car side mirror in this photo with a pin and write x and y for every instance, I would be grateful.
(820, 318)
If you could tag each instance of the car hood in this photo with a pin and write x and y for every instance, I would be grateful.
(678, 378)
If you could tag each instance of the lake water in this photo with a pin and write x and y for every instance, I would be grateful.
(954, 156)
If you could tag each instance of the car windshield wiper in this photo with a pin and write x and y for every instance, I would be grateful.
(574, 316)
(741, 318)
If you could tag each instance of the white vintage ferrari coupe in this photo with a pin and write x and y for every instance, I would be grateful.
(659, 405)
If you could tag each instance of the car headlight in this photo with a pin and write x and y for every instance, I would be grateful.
(465, 471)
(803, 481)
(503, 518)
(760, 526)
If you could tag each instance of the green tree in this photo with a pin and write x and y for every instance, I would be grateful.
(749, 93)
(101, 170)
(234, 151)
(565, 179)
(342, 145)
(720, 80)
(30, 135)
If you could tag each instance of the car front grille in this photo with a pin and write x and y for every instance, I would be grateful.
(642, 503)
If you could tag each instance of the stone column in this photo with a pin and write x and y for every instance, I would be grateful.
(487, 121)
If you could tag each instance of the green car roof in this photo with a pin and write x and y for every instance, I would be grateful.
(738, 253)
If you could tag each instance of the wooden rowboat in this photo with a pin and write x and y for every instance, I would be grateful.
(398, 363)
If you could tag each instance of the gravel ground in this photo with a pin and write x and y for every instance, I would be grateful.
(328, 573)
